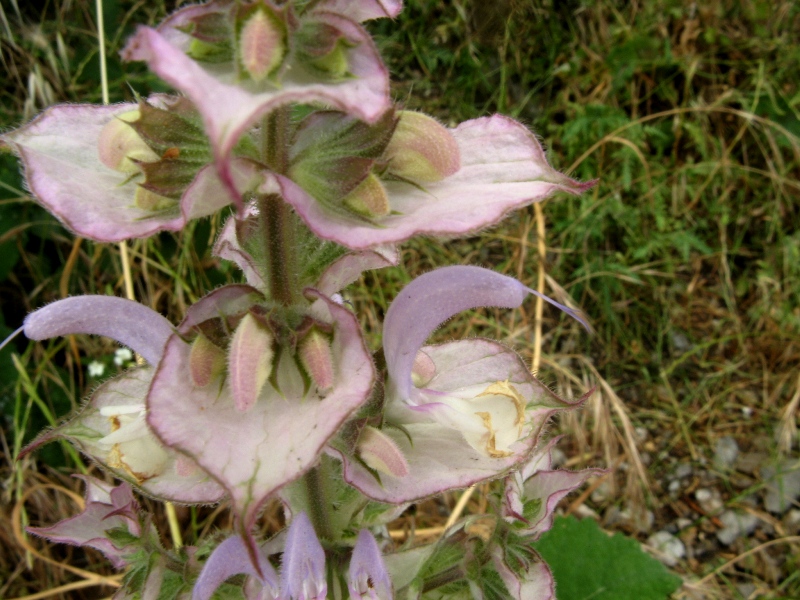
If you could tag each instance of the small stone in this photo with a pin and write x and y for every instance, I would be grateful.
(747, 412)
(725, 452)
(683, 470)
(750, 462)
(746, 589)
(710, 500)
(641, 434)
(674, 486)
(792, 521)
(584, 512)
(602, 493)
(783, 485)
(683, 523)
(681, 342)
(736, 524)
(670, 549)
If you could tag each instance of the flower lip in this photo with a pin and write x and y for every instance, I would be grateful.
(128, 322)
(430, 300)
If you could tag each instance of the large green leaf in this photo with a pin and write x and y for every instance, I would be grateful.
(588, 564)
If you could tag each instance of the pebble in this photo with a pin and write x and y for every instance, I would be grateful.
(783, 485)
(725, 452)
(683, 470)
(746, 589)
(736, 524)
(710, 500)
(681, 342)
(674, 487)
(751, 462)
(670, 549)
(602, 493)
(792, 521)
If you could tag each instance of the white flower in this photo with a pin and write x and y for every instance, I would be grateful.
(96, 369)
(122, 356)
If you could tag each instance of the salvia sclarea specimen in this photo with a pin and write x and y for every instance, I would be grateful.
(266, 389)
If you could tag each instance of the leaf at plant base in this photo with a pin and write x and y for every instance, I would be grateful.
(586, 563)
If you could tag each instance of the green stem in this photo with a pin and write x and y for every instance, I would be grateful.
(276, 218)
(447, 576)
(277, 230)
(318, 504)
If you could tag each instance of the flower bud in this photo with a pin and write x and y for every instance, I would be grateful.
(119, 145)
(315, 355)
(380, 452)
(206, 361)
(369, 579)
(249, 361)
(422, 149)
(423, 369)
(369, 198)
(261, 44)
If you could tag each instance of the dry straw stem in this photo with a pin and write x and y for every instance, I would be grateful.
(787, 427)
(698, 585)
(604, 428)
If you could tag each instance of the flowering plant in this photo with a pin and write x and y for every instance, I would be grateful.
(267, 389)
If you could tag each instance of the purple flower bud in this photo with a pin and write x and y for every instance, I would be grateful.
(369, 579)
(303, 569)
(232, 558)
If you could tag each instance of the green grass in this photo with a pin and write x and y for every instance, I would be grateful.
(685, 256)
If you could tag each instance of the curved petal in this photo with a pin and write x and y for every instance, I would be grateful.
(348, 268)
(128, 322)
(364, 10)
(439, 456)
(254, 453)
(223, 302)
(106, 508)
(532, 493)
(431, 299)
(535, 582)
(503, 167)
(227, 246)
(111, 430)
(231, 558)
(229, 107)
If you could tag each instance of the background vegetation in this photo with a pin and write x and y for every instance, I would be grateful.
(685, 256)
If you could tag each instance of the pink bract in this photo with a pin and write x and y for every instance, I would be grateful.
(503, 168)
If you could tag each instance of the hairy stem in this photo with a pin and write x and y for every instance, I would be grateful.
(277, 230)
(318, 505)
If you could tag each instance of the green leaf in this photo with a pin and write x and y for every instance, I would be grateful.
(586, 563)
